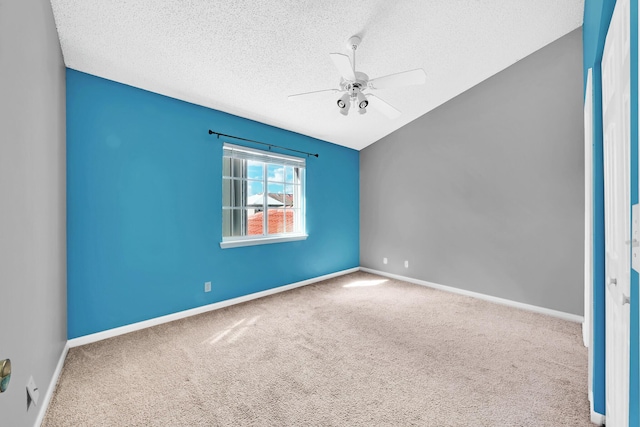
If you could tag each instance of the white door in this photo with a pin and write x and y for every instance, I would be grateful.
(616, 132)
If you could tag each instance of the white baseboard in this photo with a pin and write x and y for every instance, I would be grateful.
(559, 314)
(46, 399)
(596, 417)
(585, 334)
(86, 339)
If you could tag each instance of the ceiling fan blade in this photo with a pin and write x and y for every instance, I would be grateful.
(312, 94)
(405, 78)
(343, 64)
(383, 106)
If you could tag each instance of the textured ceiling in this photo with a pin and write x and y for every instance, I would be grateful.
(245, 56)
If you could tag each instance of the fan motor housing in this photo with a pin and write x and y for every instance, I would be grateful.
(353, 87)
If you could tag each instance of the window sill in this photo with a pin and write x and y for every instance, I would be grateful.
(263, 241)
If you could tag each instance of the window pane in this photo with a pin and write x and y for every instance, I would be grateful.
(226, 166)
(235, 168)
(276, 188)
(255, 170)
(255, 222)
(276, 221)
(275, 173)
(294, 221)
(289, 175)
(226, 192)
(232, 222)
(289, 195)
(226, 223)
(255, 190)
(234, 192)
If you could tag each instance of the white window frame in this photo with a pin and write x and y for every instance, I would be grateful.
(266, 157)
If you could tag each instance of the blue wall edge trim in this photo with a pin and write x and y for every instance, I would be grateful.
(634, 339)
(597, 16)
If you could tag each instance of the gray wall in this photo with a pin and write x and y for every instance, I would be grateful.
(486, 192)
(32, 202)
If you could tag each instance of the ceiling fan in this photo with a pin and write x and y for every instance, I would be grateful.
(354, 83)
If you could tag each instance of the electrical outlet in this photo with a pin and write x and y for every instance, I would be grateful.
(406, 264)
(384, 260)
(207, 286)
(33, 394)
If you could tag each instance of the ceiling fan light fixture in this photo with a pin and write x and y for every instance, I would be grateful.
(362, 110)
(362, 101)
(343, 104)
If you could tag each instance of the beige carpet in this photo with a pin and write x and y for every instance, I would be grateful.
(358, 350)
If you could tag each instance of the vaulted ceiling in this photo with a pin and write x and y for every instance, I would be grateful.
(245, 56)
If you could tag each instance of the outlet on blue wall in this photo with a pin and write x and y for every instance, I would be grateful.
(144, 218)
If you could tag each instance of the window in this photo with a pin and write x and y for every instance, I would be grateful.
(263, 198)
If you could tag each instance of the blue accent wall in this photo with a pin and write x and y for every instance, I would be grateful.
(144, 219)
(597, 15)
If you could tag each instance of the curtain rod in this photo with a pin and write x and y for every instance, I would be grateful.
(218, 135)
